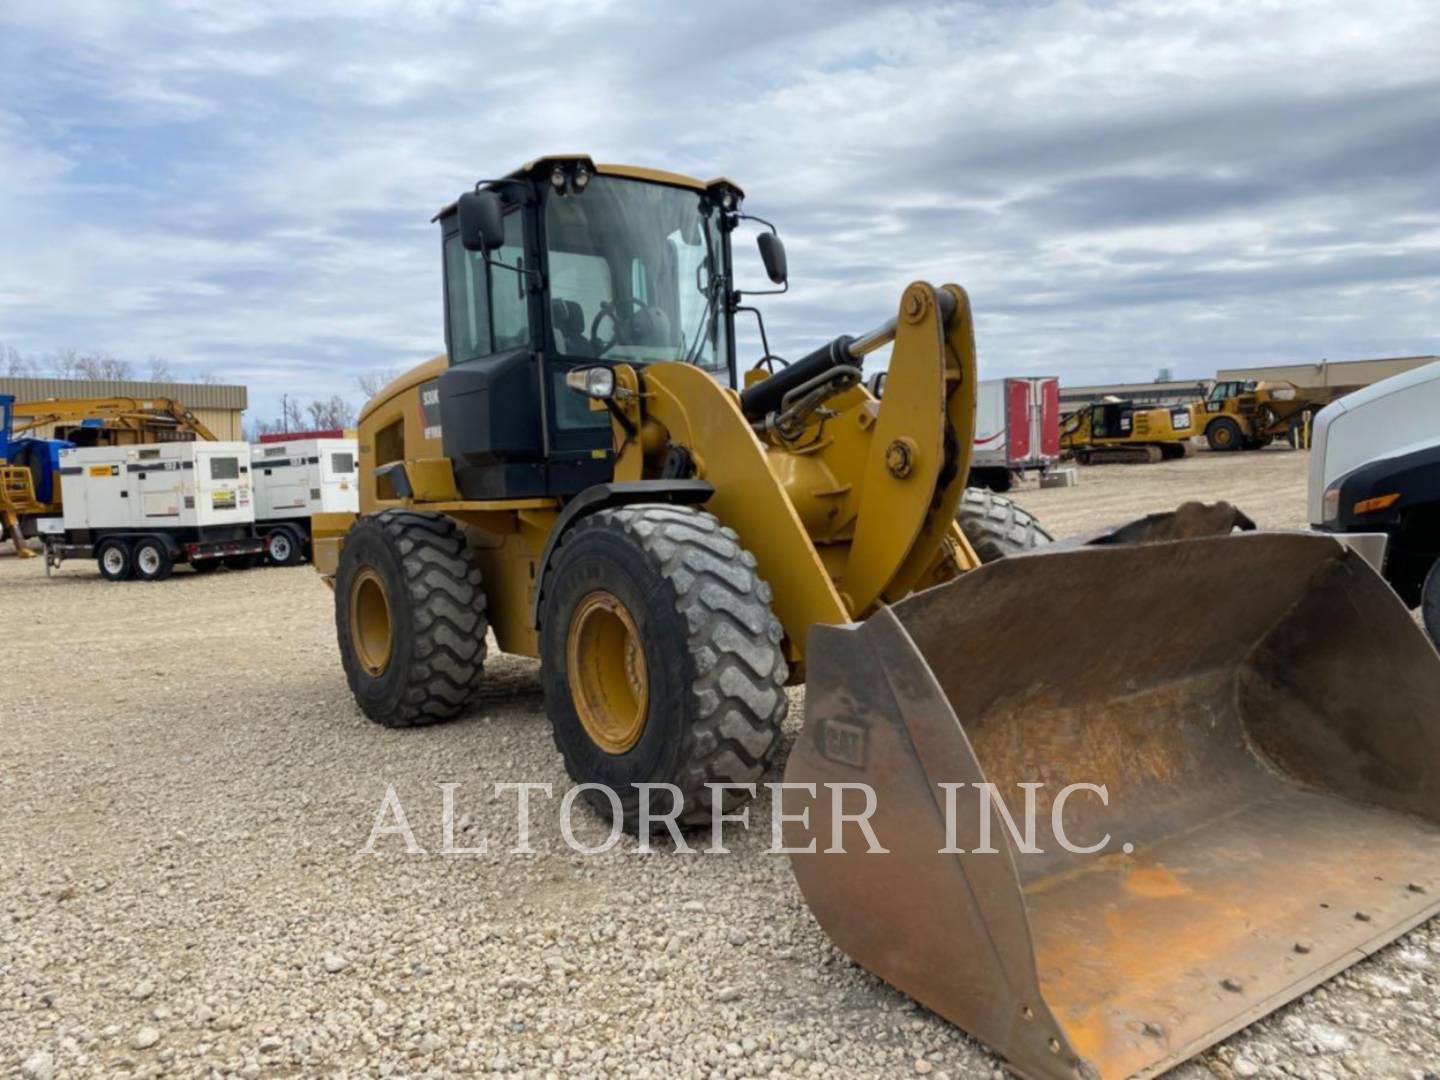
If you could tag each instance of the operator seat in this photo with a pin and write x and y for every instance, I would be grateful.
(569, 320)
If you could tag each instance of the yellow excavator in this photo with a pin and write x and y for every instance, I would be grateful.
(1120, 432)
(1234, 807)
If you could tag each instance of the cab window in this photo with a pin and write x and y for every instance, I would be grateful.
(469, 314)
(509, 308)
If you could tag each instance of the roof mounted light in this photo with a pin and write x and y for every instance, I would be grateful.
(582, 177)
(557, 178)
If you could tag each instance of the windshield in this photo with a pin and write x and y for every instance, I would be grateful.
(635, 273)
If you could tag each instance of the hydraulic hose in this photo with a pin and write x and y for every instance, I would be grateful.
(767, 395)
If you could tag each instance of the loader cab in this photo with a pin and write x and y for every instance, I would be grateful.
(565, 265)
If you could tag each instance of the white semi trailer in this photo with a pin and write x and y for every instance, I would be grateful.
(139, 511)
(296, 479)
(1017, 429)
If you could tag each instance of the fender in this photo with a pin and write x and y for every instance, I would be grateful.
(602, 497)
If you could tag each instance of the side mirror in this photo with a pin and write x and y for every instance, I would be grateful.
(772, 253)
(482, 221)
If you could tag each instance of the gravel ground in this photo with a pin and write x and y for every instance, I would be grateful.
(186, 788)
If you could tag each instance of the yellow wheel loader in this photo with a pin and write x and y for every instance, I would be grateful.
(1121, 432)
(578, 476)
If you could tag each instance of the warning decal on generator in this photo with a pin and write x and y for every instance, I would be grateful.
(223, 500)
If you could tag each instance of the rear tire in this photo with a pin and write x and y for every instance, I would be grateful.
(997, 526)
(1430, 604)
(115, 561)
(153, 561)
(410, 618)
(1224, 434)
(706, 671)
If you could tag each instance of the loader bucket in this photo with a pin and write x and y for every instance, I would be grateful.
(1264, 718)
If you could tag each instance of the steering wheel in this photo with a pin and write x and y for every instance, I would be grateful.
(611, 311)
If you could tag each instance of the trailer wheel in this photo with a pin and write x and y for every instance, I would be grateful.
(1224, 434)
(997, 526)
(282, 546)
(1430, 604)
(410, 617)
(153, 561)
(113, 558)
(661, 660)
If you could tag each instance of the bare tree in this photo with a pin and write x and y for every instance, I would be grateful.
(64, 364)
(102, 366)
(160, 370)
(14, 363)
(373, 381)
(253, 429)
(335, 412)
(291, 419)
(206, 377)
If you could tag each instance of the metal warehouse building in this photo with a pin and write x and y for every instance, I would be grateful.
(1347, 374)
(217, 407)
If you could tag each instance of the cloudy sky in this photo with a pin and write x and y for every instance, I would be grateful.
(245, 187)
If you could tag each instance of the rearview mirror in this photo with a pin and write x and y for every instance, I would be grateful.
(482, 224)
(772, 253)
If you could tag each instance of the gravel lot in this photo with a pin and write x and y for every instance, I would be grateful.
(186, 787)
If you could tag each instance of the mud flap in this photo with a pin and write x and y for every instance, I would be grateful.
(1263, 718)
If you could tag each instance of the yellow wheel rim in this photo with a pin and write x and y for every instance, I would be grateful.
(608, 680)
(370, 632)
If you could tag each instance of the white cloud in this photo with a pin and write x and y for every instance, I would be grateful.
(1121, 186)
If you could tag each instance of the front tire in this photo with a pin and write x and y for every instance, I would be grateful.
(410, 618)
(1224, 434)
(662, 659)
(997, 526)
(115, 561)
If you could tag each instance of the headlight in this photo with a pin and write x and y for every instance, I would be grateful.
(595, 382)
(1330, 512)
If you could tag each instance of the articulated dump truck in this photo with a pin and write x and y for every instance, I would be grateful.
(1230, 804)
